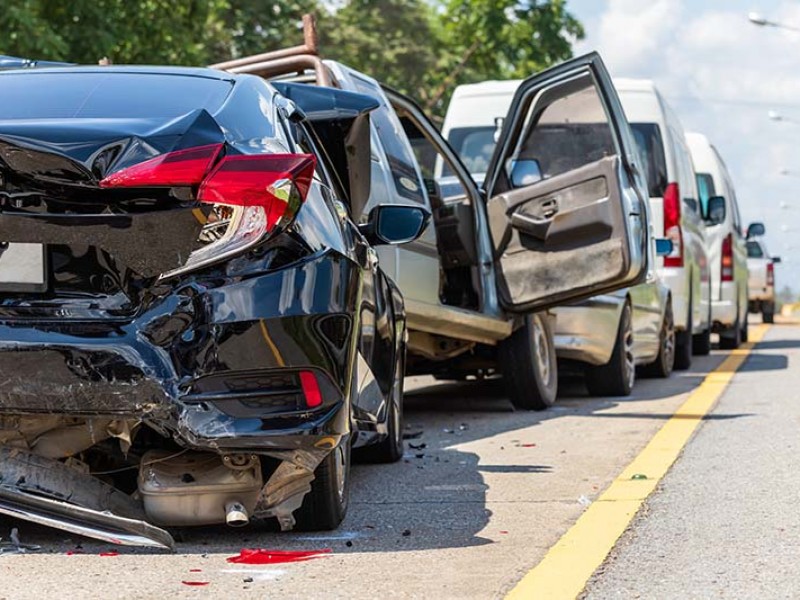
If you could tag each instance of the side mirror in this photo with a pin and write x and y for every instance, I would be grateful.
(755, 229)
(394, 224)
(525, 172)
(715, 211)
(664, 247)
(776, 259)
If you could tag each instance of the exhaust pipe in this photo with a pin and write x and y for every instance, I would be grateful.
(236, 514)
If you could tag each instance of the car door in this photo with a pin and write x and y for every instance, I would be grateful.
(565, 194)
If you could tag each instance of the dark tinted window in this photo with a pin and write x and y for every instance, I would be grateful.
(651, 146)
(754, 250)
(705, 188)
(107, 95)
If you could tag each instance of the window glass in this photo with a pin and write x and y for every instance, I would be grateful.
(392, 138)
(705, 189)
(651, 147)
(568, 131)
(475, 146)
(447, 186)
(107, 95)
(754, 250)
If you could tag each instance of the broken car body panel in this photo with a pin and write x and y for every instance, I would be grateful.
(284, 347)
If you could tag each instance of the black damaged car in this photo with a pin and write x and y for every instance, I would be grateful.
(192, 329)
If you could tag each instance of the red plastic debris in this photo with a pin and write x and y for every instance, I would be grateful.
(110, 553)
(527, 445)
(260, 556)
(195, 583)
(195, 570)
(73, 552)
(503, 532)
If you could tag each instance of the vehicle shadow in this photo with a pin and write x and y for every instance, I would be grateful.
(436, 496)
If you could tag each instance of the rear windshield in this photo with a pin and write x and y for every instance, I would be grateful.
(651, 146)
(107, 95)
(754, 250)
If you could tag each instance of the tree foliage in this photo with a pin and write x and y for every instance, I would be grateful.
(421, 47)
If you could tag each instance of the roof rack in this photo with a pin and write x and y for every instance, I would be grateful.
(287, 61)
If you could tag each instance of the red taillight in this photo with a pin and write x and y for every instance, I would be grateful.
(770, 274)
(278, 183)
(180, 168)
(308, 382)
(672, 225)
(727, 258)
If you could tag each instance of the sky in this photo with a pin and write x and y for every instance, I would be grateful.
(723, 76)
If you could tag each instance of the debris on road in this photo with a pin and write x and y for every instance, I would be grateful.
(15, 546)
(261, 556)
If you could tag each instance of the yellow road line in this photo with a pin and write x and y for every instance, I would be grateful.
(567, 566)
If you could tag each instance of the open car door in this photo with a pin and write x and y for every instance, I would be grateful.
(566, 206)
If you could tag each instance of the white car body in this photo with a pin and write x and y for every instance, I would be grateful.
(761, 280)
(585, 331)
(729, 292)
(668, 162)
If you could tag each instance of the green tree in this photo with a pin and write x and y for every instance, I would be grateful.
(390, 40)
(256, 26)
(501, 39)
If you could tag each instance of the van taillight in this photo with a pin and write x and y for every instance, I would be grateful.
(727, 258)
(672, 225)
(770, 274)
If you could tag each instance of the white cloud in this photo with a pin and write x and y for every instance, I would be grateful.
(722, 75)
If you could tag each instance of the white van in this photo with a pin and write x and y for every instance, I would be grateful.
(608, 335)
(725, 241)
(676, 211)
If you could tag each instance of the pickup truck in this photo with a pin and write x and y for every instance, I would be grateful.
(480, 280)
(761, 280)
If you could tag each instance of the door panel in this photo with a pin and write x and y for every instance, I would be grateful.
(566, 205)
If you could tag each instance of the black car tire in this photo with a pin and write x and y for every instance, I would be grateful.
(732, 338)
(662, 366)
(683, 344)
(745, 327)
(768, 312)
(391, 448)
(325, 506)
(617, 376)
(528, 364)
(701, 342)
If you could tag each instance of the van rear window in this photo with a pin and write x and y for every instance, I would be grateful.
(754, 250)
(651, 146)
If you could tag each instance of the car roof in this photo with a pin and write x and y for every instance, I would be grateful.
(127, 69)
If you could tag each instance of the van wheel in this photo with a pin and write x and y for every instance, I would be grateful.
(768, 312)
(701, 343)
(731, 339)
(325, 506)
(662, 366)
(683, 345)
(745, 327)
(617, 376)
(528, 364)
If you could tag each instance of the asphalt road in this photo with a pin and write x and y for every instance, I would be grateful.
(725, 523)
(468, 514)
